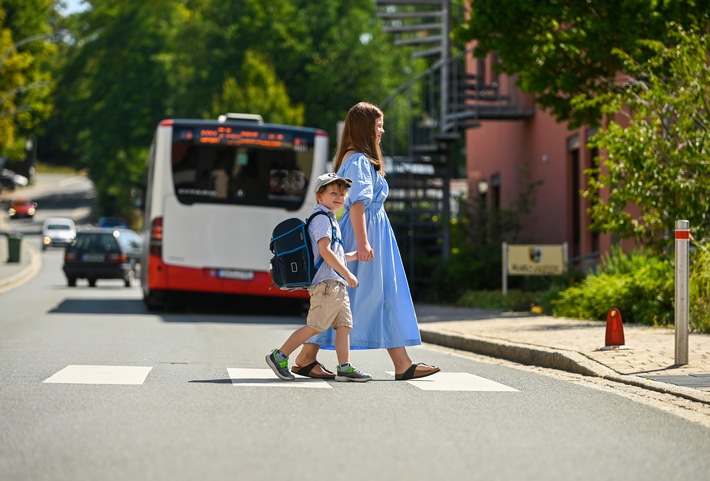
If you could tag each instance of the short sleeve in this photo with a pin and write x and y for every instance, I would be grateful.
(360, 170)
(319, 227)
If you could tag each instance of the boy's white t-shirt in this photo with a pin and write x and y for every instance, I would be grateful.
(318, 228)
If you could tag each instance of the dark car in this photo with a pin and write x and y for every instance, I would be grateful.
(103, 253)
(22, 208)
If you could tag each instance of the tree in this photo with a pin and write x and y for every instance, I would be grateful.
(324, 67)
(25, 80)
(564, 49)
(656, 144)
(129, 64)
(258, 91)
(112, 93)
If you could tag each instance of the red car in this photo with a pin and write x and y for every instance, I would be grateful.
(22, 208)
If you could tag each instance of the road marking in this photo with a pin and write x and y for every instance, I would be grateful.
(267, 378)
(457, 381)
(100, 375)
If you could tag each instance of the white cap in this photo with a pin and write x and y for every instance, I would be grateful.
(326, 179)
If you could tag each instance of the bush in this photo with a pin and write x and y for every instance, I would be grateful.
(700, 288)
(639, 284)
(476, 268)
(516, 300)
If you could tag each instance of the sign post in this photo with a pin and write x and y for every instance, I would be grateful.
(682, 305)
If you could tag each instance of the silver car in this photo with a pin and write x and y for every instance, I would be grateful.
(57, 232)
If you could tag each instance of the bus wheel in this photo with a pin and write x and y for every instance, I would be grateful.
(154, 301)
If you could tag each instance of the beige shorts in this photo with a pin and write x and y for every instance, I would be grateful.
(330, 306)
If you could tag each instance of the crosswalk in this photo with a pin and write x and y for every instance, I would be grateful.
(265, 378)
(73, 374)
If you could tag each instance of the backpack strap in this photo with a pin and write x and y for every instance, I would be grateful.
(333, 236)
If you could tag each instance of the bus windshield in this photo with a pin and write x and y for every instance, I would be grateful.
(255, 165)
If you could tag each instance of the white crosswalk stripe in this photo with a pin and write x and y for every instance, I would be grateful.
(266, 378)
(457, 381)
(244, 377)
(75, 374)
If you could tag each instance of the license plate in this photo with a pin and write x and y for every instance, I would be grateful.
(238, 275)
(92, 257)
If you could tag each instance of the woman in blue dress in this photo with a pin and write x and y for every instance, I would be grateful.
(383, 312)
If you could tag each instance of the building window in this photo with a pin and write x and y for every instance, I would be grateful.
(495, 191)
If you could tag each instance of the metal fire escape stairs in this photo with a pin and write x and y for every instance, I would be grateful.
(457, 92)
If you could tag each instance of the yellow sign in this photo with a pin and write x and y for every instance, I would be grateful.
(536, 260)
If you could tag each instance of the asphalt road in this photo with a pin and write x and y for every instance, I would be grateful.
(96, 388)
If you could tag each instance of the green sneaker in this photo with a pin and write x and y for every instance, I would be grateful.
(351, 374)
(279, 368)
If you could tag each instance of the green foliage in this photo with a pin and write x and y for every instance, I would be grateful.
(655, 169)
(127, 65)
(258, 91)
(25, 82)
(700, 288)
(111, 94)
(639, 284)
(516, 300)
(561, 50)
(470, 269)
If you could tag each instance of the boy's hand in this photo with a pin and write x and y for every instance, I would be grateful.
(351, 280)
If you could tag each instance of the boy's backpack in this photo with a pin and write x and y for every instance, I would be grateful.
(292, 266)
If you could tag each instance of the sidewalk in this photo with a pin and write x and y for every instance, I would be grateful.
(574, 346)
(15, 273)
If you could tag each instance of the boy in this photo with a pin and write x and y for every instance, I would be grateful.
(330, 304)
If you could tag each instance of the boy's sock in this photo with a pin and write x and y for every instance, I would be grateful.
(280, 356)
(344, 366)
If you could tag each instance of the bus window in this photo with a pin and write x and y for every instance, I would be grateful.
(273, 174)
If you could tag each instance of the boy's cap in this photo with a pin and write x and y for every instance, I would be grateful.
(326, 179)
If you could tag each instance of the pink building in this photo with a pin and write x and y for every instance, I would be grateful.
(552, 154)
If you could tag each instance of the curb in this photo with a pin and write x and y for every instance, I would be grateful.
(559, 359)
(27, 272)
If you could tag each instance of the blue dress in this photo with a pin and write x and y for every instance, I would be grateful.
(383, 312)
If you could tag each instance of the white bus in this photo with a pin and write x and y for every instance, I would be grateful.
(215, 191)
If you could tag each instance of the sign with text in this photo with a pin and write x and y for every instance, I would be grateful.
(536, 260)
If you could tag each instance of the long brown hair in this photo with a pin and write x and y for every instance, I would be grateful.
(359, 132)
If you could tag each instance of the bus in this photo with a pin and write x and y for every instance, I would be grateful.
(214, 193)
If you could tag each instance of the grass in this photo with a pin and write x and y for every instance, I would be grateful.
(42, 168)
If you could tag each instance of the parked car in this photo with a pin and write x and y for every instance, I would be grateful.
(22, 208)
(57, 232)
(11, 181)
(103, 253)
(111, 222)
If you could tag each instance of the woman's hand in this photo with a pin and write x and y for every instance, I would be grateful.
(365, 252)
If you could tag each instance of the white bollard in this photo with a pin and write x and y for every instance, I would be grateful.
(682, 304)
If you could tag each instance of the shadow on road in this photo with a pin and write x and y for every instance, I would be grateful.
(220, 309)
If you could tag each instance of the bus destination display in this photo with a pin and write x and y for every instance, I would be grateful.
(233, 136)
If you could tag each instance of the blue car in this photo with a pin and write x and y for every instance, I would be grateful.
(112, 222)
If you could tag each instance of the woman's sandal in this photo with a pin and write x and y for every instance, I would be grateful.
(411, 373)
(306, 371)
